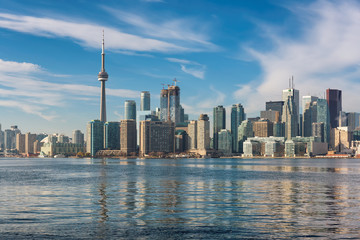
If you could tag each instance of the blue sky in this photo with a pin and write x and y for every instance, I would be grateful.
(222, 52)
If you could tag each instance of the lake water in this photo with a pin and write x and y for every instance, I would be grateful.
(179, 198)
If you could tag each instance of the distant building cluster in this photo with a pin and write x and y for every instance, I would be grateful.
(15, 143)
(285, 128)
(280, 130)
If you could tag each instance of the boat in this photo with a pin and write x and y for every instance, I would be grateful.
(42, 155)
(59, 156)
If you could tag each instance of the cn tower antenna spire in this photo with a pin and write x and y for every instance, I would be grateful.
(103, 77)
(103, 54)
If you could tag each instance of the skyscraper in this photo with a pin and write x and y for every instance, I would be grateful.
(145, 101)
(237, 116)
(103, 77)
(318, 130)
(29, 143)
(20, 143)
(219, 116)
(263, 128)
(170, 104)
(333, 97)
(295, 94)
(192, 135)
(95, 137)
(225, 141)
(290, 117)
(291, 91)
(307, 99)
(112, 135)
(130, 110)
(10, 137)
(273, 116)
(275, 106)
(245, 130)
(353, 119)
(128, 136)
(156, 136)
(203, 132)
(323, 115)
(309, 117)
(78, 137)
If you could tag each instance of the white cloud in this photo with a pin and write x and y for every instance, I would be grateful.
(22, 87)
(198, 73)
(185, 31)
(28, 108)
(85, 33)
(177, 60)
(193, 68)
(9, 66)
(324, 55)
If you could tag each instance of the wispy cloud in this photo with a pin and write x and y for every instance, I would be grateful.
(9, 66)
(22, 87)
(186, 32)
(198, 73)
(190, 67)
(324, 55)
(85, 33)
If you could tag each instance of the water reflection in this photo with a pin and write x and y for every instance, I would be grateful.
(102, 192)
(262, 198)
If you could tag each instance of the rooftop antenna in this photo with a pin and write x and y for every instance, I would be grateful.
(176, 81)
(289, 83)
(292, 81)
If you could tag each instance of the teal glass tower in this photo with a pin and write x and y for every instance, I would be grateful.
(219, 116)
(95, 138)
(323, 115)
(112, 135)
(145, 101)
(130, 110)
(237, 116)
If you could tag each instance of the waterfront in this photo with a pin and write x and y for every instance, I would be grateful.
(179, 198)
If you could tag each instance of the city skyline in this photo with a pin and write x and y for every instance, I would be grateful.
(229, 54)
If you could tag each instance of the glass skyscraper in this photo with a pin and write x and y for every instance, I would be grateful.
(145, 101)
(237, 116)
(112, 135)
(219, 116)
(95, 137)
(170, 104)
(130, 110)
(78, 137)
(290, 117)
(245, 130)
(323, 116)
(333, 97)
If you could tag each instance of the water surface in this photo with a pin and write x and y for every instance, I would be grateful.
(179, 198)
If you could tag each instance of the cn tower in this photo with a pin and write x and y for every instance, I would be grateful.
(102, 77)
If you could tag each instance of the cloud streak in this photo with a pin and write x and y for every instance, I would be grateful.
(323, 55)
(20, 88)
(186, 32)
(85, 33)
(193, 68)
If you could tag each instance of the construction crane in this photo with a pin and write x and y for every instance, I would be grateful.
(176, 81)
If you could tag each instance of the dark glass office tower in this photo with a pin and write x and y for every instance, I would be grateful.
(333, 97)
